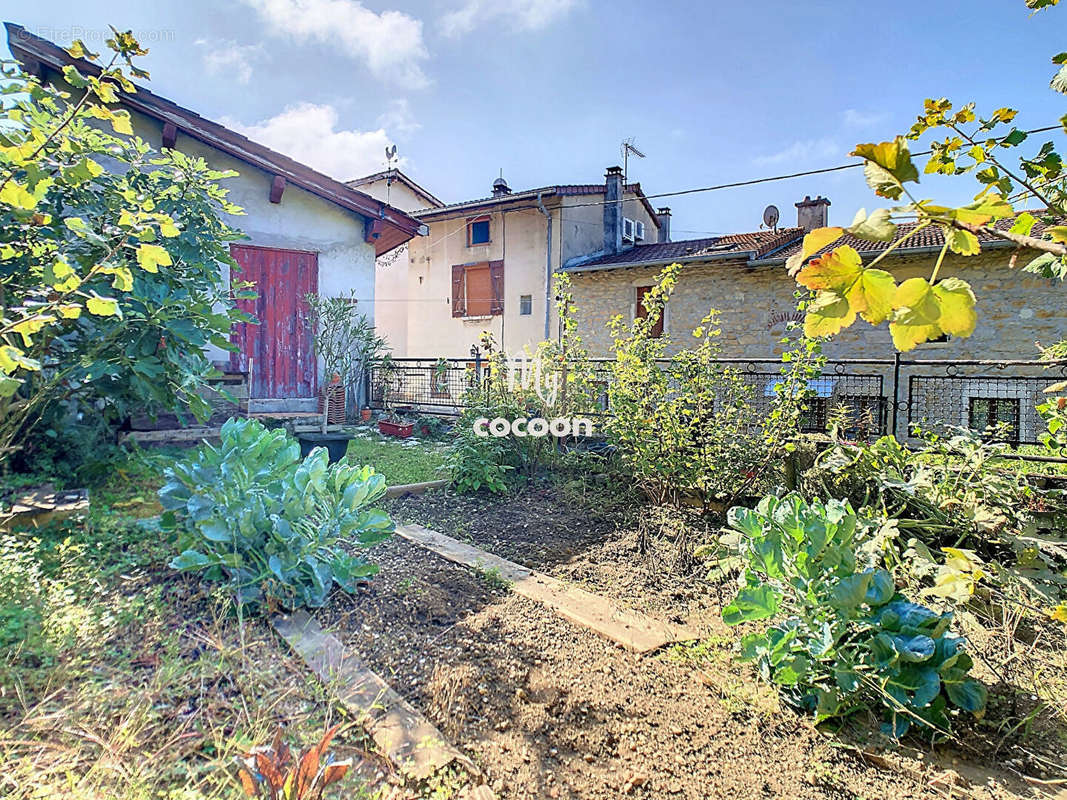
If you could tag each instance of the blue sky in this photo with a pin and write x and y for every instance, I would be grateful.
(546, 90)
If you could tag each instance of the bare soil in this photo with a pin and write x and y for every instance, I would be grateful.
(548, 709)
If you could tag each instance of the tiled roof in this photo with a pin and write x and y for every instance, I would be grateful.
(931, 238)
(558, 190)
(734, 245)
(395, 174)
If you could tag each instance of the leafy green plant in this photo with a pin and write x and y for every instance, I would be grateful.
(111, 279)
(270, 772)
(345, 341)
(275, 528)
(844, 638)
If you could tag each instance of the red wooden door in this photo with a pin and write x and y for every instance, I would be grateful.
(278, 351)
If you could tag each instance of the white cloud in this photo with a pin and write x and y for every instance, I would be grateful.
(308, 133)
(398, 119)
(803, 151)
(390, 43)
(227, 57)
(523, 15)
(864, 119)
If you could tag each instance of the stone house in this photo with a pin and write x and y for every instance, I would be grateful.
(487, 264)
(964, 381)
(305, 232)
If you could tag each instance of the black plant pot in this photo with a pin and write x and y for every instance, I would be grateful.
(336, 444)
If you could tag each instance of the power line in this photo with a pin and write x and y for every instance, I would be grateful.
(773, 178)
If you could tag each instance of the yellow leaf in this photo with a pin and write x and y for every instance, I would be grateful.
(958, 316)
(11, 359)
(964, 243)
(17, 195)
(102, 306)
(828, 314)
(122, 277)
(872, 295)
(151, 256)
(70, 311)
(837, 269)
(813, 243)
(1059, 613)
(168, 229)
(1058, 233)
(29, 326)
(916, 313)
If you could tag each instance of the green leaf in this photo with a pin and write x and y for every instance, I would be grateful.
(966, 693)
(881, 588)
(1024, 223)
(850, 592)
(874, 228)
(1059, 80)
(962, 242)
(752, 603)
(190, 559)
(867, 292)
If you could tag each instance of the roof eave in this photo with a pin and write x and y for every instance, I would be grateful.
(733, 255)
(907, 251)
(27, 47)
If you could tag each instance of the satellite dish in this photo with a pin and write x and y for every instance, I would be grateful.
(770, 216)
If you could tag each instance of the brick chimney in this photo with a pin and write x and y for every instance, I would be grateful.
(811, 214)
(663, 216)
(613, 210)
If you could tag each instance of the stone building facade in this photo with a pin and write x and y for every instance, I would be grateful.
(744, 278)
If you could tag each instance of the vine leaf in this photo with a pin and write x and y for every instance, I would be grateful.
(962, 242)
(813, 243)
(844, 289)
(873, 228)
(923, 312)
(888, 166)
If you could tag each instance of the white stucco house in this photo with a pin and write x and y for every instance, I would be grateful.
(306, 232)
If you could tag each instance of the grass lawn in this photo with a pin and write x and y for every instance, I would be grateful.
(121, 678)
(400, 463)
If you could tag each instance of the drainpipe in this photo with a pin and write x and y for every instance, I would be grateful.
(548, 264)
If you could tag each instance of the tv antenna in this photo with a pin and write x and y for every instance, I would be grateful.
(770, 217)
(628, 149)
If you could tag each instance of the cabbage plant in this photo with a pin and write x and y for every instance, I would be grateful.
(276, 528)
(843, 638)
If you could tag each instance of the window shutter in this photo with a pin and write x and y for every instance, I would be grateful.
(459, 300)
(496, 278)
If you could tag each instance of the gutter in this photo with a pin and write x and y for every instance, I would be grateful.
(548, 263)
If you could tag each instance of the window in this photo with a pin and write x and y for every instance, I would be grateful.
(526, 305)
(984, 413)
(478, 289)
(640, 312)
(477, 231)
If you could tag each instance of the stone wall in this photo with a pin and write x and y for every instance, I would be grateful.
(1015, 311)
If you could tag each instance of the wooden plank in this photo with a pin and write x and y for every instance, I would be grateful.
(632, 629)
(410, 740)
(415, 488)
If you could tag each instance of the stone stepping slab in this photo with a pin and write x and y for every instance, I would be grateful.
(632, 629)
(409, 739)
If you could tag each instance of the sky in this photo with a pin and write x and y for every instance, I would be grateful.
(545, 91)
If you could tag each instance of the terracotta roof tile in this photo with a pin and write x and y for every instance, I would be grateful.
(737, 245)
(930, 238)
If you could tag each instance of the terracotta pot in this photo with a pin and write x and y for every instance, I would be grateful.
(365, 414)
(401, 430)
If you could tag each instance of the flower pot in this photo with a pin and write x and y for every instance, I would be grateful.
(401, 430)
(336, 444)
(365, 414)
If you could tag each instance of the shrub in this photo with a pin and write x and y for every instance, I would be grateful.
(845, 639)
(250, 512)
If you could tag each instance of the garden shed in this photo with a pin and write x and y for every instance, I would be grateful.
(305, 232)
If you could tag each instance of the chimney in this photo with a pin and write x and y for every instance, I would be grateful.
(663, 216)
(613, 210)
(811, 214)
(500, 187)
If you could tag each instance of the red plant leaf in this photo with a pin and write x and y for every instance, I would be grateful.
(267, 768)
(335, 772)
(309, 763)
